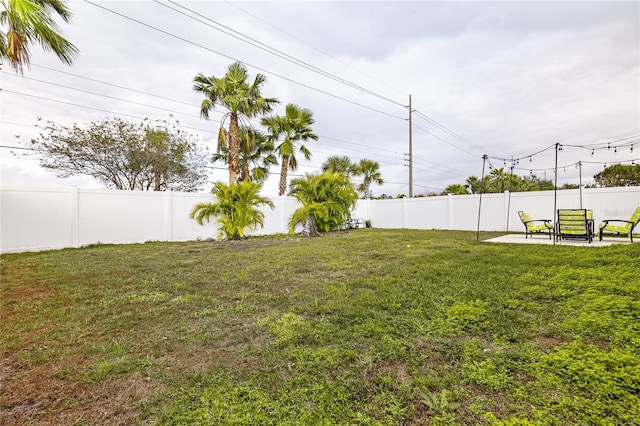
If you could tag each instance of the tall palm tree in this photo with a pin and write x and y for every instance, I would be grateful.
(29, 21)
(288, 131)
(256, 155)
(241, 99)
(370, 172)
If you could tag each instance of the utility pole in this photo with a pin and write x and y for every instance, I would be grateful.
(410, 151)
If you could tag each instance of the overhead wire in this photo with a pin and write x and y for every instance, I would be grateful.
(451, 132)
(445, 141)
(276, 52)
(238, 60)
(97, 109)
(234, 4)
(165, 109)
(102, 95)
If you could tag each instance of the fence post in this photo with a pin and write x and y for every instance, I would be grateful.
(449, 211)
(168, 204)
(507, 206)
(74, 217)
(405, 212)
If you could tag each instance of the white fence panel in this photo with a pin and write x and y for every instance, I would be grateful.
(427, 213)
(121, 217)
(183, 228)
(35, 219)
(50, 218)
(384, 213)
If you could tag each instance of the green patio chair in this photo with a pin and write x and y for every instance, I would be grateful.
(574, 224)
(535, 226)
(624, 227)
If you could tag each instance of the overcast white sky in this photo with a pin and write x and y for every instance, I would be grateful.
(506, 78)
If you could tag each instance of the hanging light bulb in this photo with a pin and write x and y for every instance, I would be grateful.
(608, 145)
(615, 150)
(530, 160)
(631, 148)
(593, 152)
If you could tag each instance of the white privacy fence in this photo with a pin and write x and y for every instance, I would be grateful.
(460, 212)
(34, 218)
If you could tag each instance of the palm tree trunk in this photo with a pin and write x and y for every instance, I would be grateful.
(283, 175)
(245, 176)
(367, 191)
(234, 149)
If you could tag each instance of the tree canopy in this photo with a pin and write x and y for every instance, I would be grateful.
(124, 155)
(236, 208)
(499, 181)
(28, 22)
(288, 132)
(370, 172)
(339, 164)
(242, 100)
(619, 175)
(326, 199)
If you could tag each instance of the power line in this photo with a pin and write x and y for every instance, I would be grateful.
(112, 84)
(445, 141)
(161, 97)
(102, 95)
(309, 45)
(451, 132)
(96, 109)
(264, 47)
(237, 60)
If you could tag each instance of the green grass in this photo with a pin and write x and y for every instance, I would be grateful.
(370, 327)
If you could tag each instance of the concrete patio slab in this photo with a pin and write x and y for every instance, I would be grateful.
(520, 239)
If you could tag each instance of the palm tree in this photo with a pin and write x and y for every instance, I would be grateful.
(256, 155)
(339, 164)
(236, 206)
(287, 132)
(241, 99)
(30, 21)
(370, 172)
(326, 202)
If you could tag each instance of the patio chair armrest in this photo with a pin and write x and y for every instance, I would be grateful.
(605, 222)
(538, 220)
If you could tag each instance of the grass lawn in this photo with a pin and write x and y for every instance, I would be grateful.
(369, 327)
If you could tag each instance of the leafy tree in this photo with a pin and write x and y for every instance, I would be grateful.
(29, 21)
(499, 181)
(456, 189)
(327, 200)
(619, 175)
(534, 183)
(256, 155)
(236, 206)
(124, 155)
(339, 164)
(370, 172)
(241, 99)
(287, 132)
(570, 186)
(474, 184)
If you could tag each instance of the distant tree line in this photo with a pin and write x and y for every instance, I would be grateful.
(498, 180)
